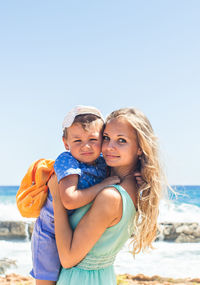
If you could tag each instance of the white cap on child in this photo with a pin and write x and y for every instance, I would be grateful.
(79, 110)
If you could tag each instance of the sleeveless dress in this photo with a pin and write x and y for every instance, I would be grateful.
(97, 267)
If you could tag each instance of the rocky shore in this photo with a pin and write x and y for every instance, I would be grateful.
(179, 232)
(16, 229)
(140, 279)
(173, 232)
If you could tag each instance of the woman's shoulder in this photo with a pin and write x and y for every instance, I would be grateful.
(114, 202)
(109, 195)
(109, 201)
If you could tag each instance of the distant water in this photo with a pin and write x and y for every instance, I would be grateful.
(185, 207)
(175, 260)
(8, 206)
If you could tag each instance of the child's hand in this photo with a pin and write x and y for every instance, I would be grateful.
(138, 178)
(53, 186)
(111, 180)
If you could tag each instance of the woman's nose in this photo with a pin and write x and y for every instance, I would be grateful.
(111, 145)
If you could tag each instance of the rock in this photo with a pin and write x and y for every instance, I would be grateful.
(179, 232)
(6, 263)
(30, 229)
(169, 232)
(13, 229)
(196, 232)
(183, 229)
(4, 231)
(187, 228)
(184, 238)
(16, 229)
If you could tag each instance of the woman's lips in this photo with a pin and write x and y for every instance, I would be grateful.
(111, 156)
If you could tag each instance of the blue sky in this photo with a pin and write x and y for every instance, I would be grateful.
(109, 54)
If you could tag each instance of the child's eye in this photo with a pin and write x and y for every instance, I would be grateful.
(121, 140)
(105, 138)
(93, 140)
(77, 141)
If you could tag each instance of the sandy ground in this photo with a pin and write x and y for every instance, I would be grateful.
(14, 279)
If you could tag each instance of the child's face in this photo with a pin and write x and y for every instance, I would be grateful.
(120, 147)
(84, 145)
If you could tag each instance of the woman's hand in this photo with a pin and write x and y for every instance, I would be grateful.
(139, 179)
(53, 186)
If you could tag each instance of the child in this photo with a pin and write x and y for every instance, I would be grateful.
(81, 167)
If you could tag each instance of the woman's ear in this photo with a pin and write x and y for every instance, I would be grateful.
(65, 143)
(139, 152)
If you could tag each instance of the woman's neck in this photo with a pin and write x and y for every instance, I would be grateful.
(122, 172)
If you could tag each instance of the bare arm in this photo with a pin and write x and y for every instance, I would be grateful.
(73, 246)
(73, 198)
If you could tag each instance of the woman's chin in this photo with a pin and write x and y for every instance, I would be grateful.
(111, 163)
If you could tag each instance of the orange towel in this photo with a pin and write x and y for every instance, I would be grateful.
(33, 190)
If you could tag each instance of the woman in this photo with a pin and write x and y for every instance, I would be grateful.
(89, 241)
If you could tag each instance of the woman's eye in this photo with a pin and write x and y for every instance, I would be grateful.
(105, 138)
(121, 140)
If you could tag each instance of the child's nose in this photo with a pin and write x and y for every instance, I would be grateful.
(86, 146)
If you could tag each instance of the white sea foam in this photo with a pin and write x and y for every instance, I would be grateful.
(10, 212)
(172, 212)
(20, 252)
(167, 260)
(169, 212)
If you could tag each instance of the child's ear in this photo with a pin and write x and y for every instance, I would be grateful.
(65, 143)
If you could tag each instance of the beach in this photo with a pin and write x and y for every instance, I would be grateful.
(175, 259)
(126, 279)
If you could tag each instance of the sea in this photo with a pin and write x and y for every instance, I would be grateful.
(168, 259)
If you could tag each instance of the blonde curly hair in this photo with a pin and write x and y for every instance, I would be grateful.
(149, 193)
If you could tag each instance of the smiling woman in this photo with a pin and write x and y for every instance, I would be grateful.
(90, 238)
(120, 139)
(134, 128)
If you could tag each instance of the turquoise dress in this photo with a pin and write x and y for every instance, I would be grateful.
(97, 267)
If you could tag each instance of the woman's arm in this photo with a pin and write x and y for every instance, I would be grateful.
(74, 246)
